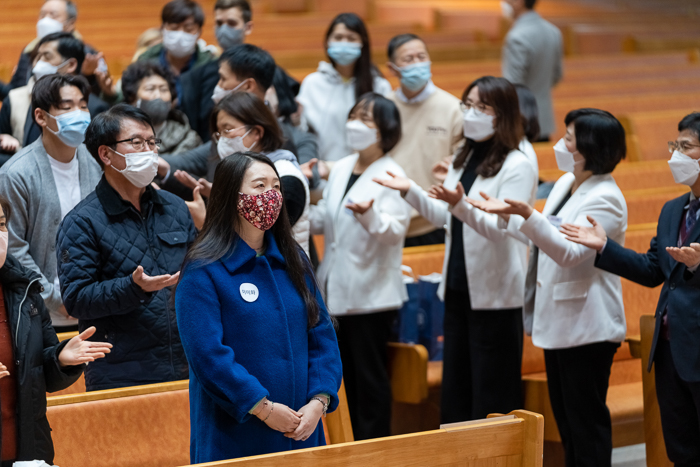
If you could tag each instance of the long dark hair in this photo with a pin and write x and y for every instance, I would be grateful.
(364, 70)
(251, 111)
(500, 94)
(219, 235)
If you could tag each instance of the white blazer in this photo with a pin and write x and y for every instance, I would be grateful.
(575, 303)
(361, 268)
(495, 261)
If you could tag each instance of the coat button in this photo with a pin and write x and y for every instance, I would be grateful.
(56, 221)
(175, 238)
(672, 286)
(53, 247)
(17, 362)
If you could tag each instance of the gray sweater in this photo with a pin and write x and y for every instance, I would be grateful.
(27, 181)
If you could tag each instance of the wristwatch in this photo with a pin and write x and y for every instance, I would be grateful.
(324, 403)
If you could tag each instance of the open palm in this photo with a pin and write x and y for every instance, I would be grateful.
(593, 237)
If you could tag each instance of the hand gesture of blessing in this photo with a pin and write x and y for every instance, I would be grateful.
(593, 237)
(80, 350)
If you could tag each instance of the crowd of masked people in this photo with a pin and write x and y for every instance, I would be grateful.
(167, 215)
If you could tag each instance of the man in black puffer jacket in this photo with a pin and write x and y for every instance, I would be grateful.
(119, 252)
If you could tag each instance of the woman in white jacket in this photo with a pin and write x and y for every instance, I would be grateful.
(328, 94)
(484, 269)
(572, 309)
(364, 226)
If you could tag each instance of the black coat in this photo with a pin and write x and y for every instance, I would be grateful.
(36, 353)
(100, 243)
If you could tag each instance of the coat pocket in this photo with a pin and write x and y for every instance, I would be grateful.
(173, 238)
(570, 290)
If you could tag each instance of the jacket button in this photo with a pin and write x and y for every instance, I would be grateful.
(53, 247)
(17, 362)
(672, 286)
(56, 221)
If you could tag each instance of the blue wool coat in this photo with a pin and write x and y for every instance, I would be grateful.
(241, 351)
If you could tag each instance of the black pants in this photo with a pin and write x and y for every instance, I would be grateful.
(578, 379)
(679, 405)
(482, 360)
(435, 237)
(363, 340)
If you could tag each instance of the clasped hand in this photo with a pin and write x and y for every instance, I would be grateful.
(295, 425)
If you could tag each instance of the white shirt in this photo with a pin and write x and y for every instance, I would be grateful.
(427, 91)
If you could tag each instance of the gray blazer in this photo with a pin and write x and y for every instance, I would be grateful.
(532, 55)
(26, 180)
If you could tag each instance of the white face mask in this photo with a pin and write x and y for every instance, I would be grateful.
(507, 10)
(359, 136)
(227, 146)
(478, 126)
(179, 43)
(685, 169)
(219, 92)
(43, 68)
(4, 240)
(46, 26)
(565, 159)
(141, 167)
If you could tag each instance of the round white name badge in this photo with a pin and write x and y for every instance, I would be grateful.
(249, 292)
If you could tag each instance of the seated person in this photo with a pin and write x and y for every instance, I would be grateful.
(56, 53)
(182, 22)
(46, 179)
(151, 88)
(121, 249)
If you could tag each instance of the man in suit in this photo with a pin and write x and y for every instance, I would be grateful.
(532, 55)
(672, 260)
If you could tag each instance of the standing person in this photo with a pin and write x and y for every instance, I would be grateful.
(47, 179)
(672, 260)
(484, 270)
(119, 252)
(431, 119)
(573, 310)
(532, 55)
(328, 94)
(364, 225)
(32, 361)
(262, 350)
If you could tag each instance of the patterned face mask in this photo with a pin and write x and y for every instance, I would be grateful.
(260, 210)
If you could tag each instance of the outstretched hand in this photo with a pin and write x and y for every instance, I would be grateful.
(593, 237)
(451, 197)
(153, 283)
(688, 255)
(80, 350)
(490, 205)
(198, 210)
(307, 168)
(361, 207)
(395, 182)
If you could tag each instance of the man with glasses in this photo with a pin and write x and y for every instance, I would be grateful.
(431, 119)
(672, 260)
(46, 179)
(120, 252)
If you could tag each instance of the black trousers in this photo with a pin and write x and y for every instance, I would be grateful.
(578, 379)
(679, 405)
(482, 360)
(363, 351)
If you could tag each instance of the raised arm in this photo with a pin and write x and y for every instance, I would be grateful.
(386, 220)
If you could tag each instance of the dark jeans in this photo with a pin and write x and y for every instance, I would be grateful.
(577, 379)
(679, 405)
(363, 343)
(435, 237)
(482, 360)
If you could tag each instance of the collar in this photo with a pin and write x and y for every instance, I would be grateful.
(240, 254)
(12, 273)
(527, 16)
(427, 91)
(114, 204)
(163, 59)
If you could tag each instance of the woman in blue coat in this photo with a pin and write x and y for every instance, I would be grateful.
(263, 354)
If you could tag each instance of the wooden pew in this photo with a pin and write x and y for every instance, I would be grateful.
(512, 440)
(115, 428)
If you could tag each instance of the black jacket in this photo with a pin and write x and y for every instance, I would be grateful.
(100, 244)
(36, 353)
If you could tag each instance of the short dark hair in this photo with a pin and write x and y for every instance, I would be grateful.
(600, 139)
(68, 46)
(283, 84)
(250, 110)
(250, 61)
(398, 41)
(137, 72)
(242, 5)
(177, 11)
(691, 122)
(385, 115)
(530, 4)
(47, 90)
(104, 129)
(529, 112)
(6, 208)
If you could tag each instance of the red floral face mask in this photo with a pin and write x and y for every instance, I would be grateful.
(260, 210)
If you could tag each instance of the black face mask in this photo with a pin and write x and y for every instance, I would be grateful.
(157, 109)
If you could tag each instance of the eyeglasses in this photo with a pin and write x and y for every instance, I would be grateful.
(682, 147)
(479, 107)
(226, 134)
(138, 143)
